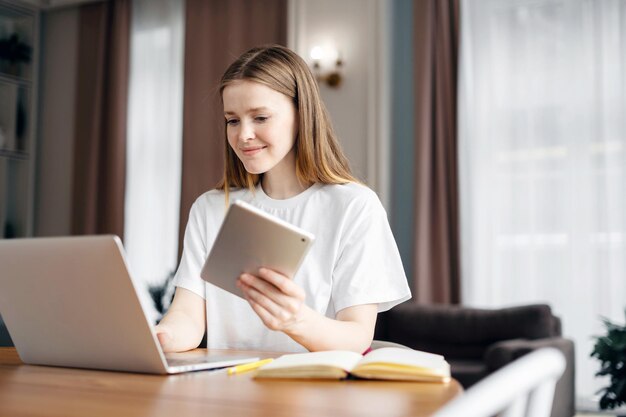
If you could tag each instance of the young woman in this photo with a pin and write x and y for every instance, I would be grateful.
(283, 157)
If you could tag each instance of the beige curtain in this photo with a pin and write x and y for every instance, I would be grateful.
(217, 32)
(436, 34)
(100, 129)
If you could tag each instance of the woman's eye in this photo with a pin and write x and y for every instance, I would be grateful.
(261, 119)
(232, 122)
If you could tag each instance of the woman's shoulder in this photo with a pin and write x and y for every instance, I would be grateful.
(350, 194)
(350, 190)
(217, 198)
(210, 198)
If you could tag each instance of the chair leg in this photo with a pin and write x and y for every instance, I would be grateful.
(516, 409)
(541, 395)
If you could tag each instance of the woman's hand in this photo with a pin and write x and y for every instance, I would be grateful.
(276, 299)
(279, 302)
(166, 338)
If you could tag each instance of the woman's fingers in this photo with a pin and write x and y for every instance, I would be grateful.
(277, 310)
(165, 339)
(290, 300)
(284, 284)
(272, 315)
(262, 299)
(263, 314)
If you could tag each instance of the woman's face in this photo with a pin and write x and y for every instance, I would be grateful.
(261, 125)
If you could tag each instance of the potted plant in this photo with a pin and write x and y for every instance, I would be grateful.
(610, 349)
(13, 52)
(163, 294)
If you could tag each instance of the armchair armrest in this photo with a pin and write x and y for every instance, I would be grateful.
(501, 353)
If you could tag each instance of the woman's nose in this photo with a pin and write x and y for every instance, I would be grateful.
(246, 132)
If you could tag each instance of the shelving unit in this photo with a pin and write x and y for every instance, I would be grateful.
(19, 50)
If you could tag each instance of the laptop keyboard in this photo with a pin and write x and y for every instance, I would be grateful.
(196, 360)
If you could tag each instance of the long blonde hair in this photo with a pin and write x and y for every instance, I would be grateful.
(319, 157)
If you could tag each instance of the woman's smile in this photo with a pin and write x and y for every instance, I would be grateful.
(252, 150)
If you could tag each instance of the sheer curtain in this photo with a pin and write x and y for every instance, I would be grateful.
(542, 137)
(154, 141)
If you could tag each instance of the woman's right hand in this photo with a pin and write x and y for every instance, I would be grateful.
(166, 338)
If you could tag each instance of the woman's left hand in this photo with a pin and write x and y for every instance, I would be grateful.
(276, 299)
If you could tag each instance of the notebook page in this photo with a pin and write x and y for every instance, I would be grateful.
(334, 358)
(402, 356)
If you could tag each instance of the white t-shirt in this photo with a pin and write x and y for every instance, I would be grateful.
(354, 260)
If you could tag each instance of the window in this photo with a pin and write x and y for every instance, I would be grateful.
(153, 166)
(542, 162)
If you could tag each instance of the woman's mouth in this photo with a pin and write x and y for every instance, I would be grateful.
(253, 150)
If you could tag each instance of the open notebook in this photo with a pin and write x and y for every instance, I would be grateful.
(387, 363)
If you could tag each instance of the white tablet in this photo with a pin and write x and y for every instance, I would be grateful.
(250, 238)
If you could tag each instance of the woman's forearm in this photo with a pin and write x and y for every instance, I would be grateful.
(318, 332)
(182, 328)
(185, 334)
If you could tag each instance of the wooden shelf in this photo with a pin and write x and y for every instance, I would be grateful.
(15, 79)
(18, 115)
(10, 154)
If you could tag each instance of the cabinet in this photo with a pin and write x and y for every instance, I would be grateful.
(19, 36)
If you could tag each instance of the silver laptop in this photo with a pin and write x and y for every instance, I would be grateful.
(70, 301)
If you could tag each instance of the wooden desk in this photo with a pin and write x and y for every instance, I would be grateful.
(47, 391)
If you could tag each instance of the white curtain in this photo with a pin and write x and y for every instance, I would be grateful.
(154, 142)
(542, 163)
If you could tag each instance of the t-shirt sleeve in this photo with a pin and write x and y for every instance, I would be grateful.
(368, 269)
(194, 253)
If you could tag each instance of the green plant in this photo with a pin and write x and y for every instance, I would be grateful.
(611, 351)
(163, 294)
(13, 50)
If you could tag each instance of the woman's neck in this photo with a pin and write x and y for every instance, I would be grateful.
(281, 182)
(283, 187)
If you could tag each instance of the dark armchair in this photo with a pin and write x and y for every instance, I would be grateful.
(476, 342)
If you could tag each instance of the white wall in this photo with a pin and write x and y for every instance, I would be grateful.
(359, 107)
(53, 201)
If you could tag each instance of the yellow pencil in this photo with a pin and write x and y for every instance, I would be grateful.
(248, 366)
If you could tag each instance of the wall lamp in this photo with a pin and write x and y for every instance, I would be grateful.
(327, 66)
